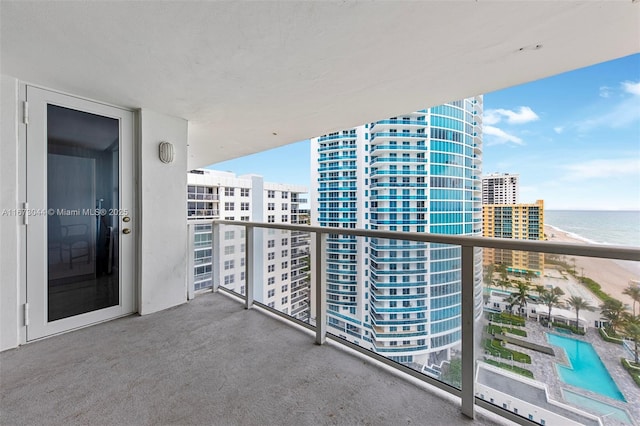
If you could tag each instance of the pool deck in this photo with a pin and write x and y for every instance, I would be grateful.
(544, 370)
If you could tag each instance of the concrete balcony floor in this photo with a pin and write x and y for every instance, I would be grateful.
(207, 362)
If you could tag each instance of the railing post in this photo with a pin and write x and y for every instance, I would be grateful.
(321, 286)
(249, 237)
(190, 262)
(216, 271)
(468, 346)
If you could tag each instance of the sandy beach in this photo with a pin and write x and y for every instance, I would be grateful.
(612, 275)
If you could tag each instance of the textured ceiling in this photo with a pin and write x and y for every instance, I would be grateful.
(250, 76)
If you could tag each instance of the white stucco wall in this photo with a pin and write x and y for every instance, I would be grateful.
(162, 197)
(10, 226)
(160, 222)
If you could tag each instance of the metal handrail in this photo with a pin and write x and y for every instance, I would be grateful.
(468, 245)
(589, 250)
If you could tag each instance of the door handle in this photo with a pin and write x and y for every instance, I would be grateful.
(126, 231)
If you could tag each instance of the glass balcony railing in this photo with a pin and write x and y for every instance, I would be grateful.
(531, 330)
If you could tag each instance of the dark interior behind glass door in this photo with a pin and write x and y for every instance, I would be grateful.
(82, 194)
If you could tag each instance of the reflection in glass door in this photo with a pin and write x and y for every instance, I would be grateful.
(80, 239)
(83, 214)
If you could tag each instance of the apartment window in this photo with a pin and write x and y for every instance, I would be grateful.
(229, 264)
(242, 248)
(271, 293)
(229, 279)
(271, 243)
(271, 281)
(229, 249)
(271, 268)
(241, 277)
(244, 218)
(271, 219)
(229, 218)
(285, 218)
(229, 235)
(285, 276)
(242, 262)
(285, 300)
(229, 192)
(285, 253)
(271, 255)
(285, 195)
(271, 194)
(244, 206)
(285, 241)
(244, 192)
(229, 206)
(285, 265)
(271, 206)
(285, 206)
(284, 288)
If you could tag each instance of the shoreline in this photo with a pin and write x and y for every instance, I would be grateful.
(612, 275)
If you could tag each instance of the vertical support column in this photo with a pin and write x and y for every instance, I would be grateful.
(321, 287)
(468, 346)
(215, 255)
(249, 237)
(190, 260)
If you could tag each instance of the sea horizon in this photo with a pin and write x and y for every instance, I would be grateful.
(613, 227)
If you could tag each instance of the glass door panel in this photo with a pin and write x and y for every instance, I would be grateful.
(82, 195)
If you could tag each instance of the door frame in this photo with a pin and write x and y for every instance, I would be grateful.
(129, 271)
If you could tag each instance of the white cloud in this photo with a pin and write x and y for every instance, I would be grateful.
(523, 115)
(605, 91)
(631, 87)
(558, 129)
(498, 136)
(602, 168)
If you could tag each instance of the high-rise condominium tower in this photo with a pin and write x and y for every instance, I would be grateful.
(281, 256)
(520, 222)
(417, 172)
(500, 188)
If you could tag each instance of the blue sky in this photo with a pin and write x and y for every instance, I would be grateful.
(574, 139)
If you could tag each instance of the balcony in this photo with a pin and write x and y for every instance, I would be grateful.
(148, 368)
(487, 373)
(208, 361)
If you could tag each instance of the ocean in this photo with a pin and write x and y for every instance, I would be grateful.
(598, 226)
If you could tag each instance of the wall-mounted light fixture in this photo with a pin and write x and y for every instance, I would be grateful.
(166, 152)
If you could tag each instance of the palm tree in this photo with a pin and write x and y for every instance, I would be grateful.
(612, 310)
(633, 291)
(502, 270)
(631, 326)
(578, 304)
(550, 299)
(488, 274)
(519, 298)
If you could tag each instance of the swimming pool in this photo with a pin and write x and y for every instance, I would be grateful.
(596, 407)
(586, 369)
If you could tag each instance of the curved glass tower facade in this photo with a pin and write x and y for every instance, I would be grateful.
(418, 172)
